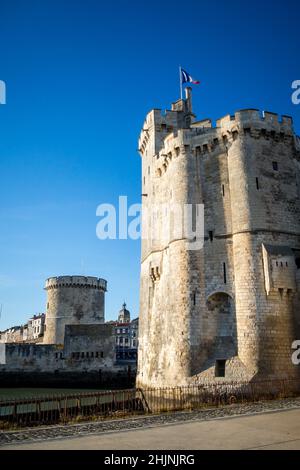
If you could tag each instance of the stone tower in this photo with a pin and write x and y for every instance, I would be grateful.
(231, 309)
(72, 300)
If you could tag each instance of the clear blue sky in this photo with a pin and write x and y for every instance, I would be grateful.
(81, 75)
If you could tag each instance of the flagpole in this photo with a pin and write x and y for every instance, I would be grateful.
(180, 78)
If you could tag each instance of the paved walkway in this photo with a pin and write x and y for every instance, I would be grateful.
(268, 430)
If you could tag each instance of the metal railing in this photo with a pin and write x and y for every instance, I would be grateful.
(54, 409)
(204, 395)
(120, 403)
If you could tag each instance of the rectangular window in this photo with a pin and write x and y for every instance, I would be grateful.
(211, 235)
(220, 368)
(257, 184)
(275, 166)
(223, 190)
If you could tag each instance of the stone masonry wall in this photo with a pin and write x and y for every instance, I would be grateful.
(87, 358)
(198, 307)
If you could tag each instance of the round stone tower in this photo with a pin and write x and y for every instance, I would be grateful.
(72, 300)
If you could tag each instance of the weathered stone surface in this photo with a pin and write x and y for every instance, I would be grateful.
(237, 299)
(87, 357)
(72, 300)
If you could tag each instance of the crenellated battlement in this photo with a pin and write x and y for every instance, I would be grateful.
(262, 119)
(76, 281)
(165, 126)
(202, 137)
(159, 122)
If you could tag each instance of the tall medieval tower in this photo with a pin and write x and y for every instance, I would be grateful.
(232, 308)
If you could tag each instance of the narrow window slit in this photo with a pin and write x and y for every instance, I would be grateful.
(224, 273)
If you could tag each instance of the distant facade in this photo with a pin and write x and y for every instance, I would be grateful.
(12, 335)
(36, 327)
(231, 310)
(126, 336)
(32, 331)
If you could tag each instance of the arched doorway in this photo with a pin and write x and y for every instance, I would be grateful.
(220, 309)
(222, 324)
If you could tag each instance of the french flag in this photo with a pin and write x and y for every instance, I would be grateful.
(187, 78)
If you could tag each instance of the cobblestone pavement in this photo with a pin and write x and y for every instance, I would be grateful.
(43, 433)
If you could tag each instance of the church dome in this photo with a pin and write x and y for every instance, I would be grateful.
(124, 314)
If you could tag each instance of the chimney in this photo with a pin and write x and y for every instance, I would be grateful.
(188, 98)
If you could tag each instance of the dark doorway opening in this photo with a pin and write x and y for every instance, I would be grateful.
(220, 368)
